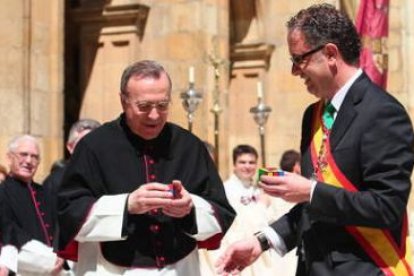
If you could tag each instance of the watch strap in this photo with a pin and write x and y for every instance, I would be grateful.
(263, 241)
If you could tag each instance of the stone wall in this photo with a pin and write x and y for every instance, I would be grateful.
(31, 76)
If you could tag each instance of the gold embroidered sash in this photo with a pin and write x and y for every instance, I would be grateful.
(378, 244)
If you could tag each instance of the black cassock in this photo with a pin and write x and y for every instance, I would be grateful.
(112, 160)
(27, 213)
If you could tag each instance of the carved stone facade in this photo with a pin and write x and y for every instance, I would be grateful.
(100, 40)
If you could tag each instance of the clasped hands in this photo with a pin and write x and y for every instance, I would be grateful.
(150, 196)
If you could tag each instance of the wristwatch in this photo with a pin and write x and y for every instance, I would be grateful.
(264, 243)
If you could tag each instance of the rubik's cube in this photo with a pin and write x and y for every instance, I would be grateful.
(175, 189)
(270, 172)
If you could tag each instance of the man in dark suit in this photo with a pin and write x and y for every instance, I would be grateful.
(357, 158)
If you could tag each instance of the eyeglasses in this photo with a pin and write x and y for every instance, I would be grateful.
(298, 59)
(23, 156)
(161, 106)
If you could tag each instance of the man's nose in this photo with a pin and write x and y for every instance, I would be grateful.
(27, 158)
(154, 113)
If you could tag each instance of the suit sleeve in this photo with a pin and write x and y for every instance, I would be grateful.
(289, 226)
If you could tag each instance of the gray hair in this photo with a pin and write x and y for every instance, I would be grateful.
(143, 69)
(79, 126)
(15, 142)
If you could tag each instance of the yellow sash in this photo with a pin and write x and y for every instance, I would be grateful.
(378, 244)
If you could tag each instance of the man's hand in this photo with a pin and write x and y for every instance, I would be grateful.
(182, 203)
(4, 271)
(148, 197)
(238, 256)
(291, 187)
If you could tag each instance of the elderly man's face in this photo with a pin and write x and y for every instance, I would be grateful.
(146, 105)
(24, 160)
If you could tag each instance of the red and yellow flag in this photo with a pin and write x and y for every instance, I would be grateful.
(372, 25)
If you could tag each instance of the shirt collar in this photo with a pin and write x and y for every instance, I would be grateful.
(339, 97)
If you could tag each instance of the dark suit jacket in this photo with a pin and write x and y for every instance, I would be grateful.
(372, 143)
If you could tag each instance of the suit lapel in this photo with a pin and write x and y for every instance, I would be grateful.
(344, 118)
(347, 112)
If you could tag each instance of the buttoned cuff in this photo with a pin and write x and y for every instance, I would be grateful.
(276, 242)
(313, 186)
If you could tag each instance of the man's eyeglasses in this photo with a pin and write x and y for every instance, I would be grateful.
(161, 106)
(35, 158)
(298, 59)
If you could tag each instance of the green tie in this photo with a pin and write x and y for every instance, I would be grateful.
(328, 115)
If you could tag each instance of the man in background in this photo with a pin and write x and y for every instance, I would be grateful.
(52, 183)
(254, 208)
(290, 161)
(78, 130)
(27, 220)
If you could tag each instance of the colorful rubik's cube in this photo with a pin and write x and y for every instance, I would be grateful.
(270, 172)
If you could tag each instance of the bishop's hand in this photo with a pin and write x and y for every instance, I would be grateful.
(182, 202)
(148, 197)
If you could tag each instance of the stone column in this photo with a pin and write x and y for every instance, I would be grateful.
(109, 38)
(250, 58)
(31, 78)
